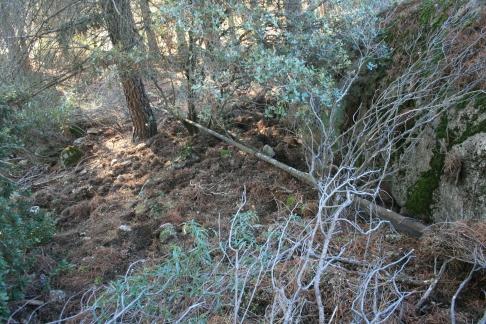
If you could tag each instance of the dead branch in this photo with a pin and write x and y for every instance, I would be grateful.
(432, 286)
(402, 224)
(458, 291)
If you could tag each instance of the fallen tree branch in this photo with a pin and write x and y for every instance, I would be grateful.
(432, 286)
(458, 291)
(405, 225)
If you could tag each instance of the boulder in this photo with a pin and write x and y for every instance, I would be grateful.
(441, 175)
(125, 228)
(80, 141)
(57, 296)
(462, 188)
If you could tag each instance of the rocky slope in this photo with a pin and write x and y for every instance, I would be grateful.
(442, 170)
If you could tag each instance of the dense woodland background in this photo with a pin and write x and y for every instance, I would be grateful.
(242, 161)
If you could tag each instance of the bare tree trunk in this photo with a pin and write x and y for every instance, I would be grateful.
(405, 225)
(12, 25)
(186, 52)
(293, 9)
(121, 28)
(147, 26)
(191, 80)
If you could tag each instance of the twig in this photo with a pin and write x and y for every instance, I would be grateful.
(458, 291)
(403, 224)
(432, 286)
(38, 184)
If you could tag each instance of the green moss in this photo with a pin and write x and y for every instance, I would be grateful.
(471, 130)
(480, 102)
(441, 130)
(421, 194)
(225, 153)
(433, 13)
(291, 201)
(462, 104)
(437, 162)
(70, 156)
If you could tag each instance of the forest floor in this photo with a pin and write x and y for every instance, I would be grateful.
(111, 207)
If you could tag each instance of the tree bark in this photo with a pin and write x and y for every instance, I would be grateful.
(12, 25)
(187, 54)
(121, 28)
(292, 9)
(153, 46)
(191, 81)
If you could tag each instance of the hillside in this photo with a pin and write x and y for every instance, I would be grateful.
(243, 162)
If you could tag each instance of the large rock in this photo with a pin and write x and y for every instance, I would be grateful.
(56, 296)
(412, 164)
(268, 151)
(442, 175)
(462, 187)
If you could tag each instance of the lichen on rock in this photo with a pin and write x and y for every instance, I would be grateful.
(414, 162)
(442, 174)
(466, 198)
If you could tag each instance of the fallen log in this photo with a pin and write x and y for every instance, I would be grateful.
(402, 224)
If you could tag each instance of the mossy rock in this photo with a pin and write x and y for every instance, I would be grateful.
(70, 156)
(421, 194)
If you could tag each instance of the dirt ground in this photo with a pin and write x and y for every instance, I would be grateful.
(111, 206)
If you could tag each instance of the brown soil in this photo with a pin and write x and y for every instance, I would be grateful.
(111, 205)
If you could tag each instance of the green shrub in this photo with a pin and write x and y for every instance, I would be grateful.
(8, 139)
(162, 290)
(198, 280)
(45, 115)
(26, 125)
(22, 228)
(289, 65)
(40, 115)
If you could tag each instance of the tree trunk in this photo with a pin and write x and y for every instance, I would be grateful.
(147, 26)
(121, 28)
(292, 8)
(186, 52)
(190, 75)
(12, 24)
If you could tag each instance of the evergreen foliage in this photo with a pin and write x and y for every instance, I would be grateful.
(22, 228)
